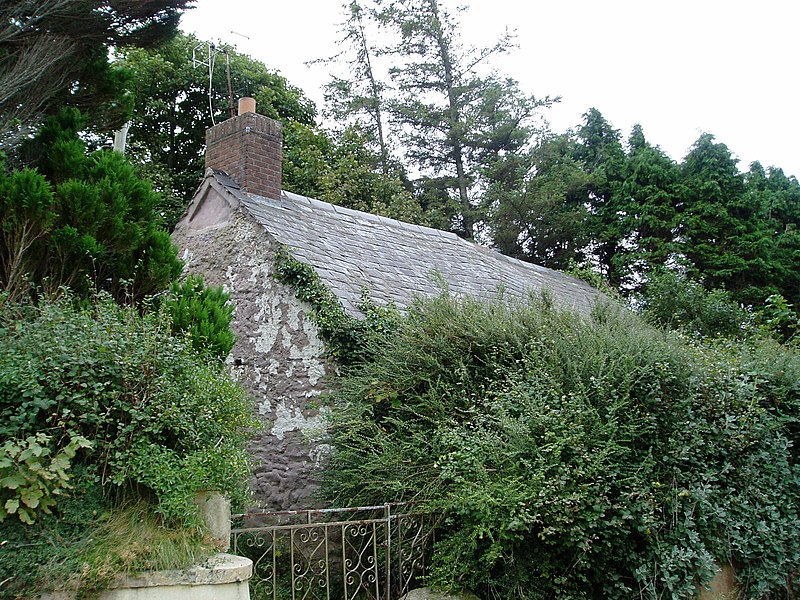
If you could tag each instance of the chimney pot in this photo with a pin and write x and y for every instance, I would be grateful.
(247, 105)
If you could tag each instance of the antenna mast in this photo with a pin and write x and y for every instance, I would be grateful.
(226, 50)
(210, 50)
(211, 54)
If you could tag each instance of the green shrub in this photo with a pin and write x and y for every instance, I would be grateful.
(576, 457)
(105, 416)
(672, 300)
(81, 220)
(156, 413)
(204, 313)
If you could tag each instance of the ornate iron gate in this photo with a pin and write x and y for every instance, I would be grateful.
(369, 553)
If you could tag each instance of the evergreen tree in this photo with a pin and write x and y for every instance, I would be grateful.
(454, 122)
(81, 220)
(359, 99)
(203, 313)
(351, 178)
(539, 211)
(721, 232)
(652, 190)
(599, 150)
(778, 200)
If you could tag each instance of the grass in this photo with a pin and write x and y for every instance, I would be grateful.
(130, 540)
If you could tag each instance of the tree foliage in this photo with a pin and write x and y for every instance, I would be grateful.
(55, 53)
(172, 111)
(454, 120)
(628, 211)
(538, 206)
(80, 220)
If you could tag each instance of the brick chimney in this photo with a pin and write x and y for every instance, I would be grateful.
(248, 148)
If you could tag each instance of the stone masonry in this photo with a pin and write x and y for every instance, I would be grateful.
(277, 356)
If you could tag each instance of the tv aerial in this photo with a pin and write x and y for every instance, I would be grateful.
(205, 55)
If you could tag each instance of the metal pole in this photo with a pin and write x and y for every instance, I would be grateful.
(228, 73)
(388, 514)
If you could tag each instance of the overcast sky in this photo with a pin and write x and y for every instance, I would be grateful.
(679, 68)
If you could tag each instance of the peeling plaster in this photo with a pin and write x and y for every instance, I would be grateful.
(291, 418)
(278, 356)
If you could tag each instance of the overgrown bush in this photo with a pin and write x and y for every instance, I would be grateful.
(577, 457)
(100, 401)
(155, 412)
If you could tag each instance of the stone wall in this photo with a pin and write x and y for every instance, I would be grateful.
(278, 355)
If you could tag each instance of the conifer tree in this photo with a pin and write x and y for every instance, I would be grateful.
(55, 53)
(85, 221)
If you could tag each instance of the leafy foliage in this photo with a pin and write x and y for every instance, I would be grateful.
(156, 414)
(203, 313)
(576, 457)
(672, 300)
(171, 114)
(31, 478)
(538, 206)
(347, 338)
(456, 124)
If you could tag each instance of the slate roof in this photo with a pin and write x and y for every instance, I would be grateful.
(396, 261)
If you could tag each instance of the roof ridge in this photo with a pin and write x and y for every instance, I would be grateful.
(366, 216)
(228, 182)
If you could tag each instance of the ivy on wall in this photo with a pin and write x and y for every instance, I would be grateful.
(349, 340)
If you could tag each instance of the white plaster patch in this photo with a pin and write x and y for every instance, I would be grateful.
(315, 371)
(291, 418)
(266, 336)
(293, 317)
(262, 270)
(311, 354)
(320, 453)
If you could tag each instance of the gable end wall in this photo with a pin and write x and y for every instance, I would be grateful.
(278, 355)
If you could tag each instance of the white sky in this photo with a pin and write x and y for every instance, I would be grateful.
(679, 68)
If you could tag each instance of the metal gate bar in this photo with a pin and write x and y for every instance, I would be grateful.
(367, 552)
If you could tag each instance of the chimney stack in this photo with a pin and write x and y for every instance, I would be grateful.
(248, 148)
